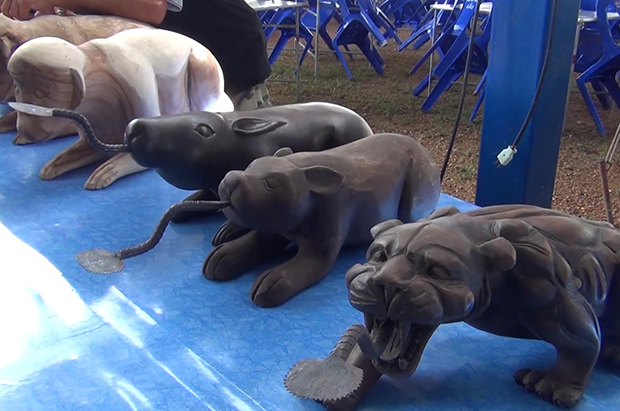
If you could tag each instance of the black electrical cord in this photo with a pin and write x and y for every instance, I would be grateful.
(543, 73)
(470, 51)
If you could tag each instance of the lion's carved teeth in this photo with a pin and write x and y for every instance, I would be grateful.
(402, 364)
(369, 321)
(403, 328)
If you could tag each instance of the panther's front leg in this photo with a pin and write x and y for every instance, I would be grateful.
(312, 262)
(569, 323)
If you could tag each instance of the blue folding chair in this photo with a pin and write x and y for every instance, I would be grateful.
(405, 12)
(452, 66)
(360, 21)
(265, 15)
(601, 74)
(424, 31)
(286, 17)
(481, 92)
(328, 11)
(590, 50)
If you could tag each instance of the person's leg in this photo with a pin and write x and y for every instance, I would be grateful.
(251, 99)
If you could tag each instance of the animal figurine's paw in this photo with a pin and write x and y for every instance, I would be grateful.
(49, 171)
(222, 264)
(550, 386)
(610, 354)
(228, 232)
(102, 177)
(271, 289)
(349, 403)
(20, 140)
(8, 122)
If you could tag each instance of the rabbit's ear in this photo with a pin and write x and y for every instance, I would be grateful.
(255, 126)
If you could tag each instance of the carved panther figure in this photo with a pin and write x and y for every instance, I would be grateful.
(515, 270)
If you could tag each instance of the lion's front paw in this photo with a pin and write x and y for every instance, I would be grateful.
(228, 232)
(222, 264)
(103, 177)
(550, 387)
(271, 289)
(349, 403)
(50, 171)
(610, 354)
(21, 140)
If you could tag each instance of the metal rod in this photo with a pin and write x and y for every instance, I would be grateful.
(606, 197)
(430, 69)
(470, 51)
(282, 80)
(297, 72)
(281, 26)
(316, 37)
(574, 59)
(612, 147)
(605, 164)
(322, 51)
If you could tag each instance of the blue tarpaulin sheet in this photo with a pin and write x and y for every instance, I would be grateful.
(159, 336)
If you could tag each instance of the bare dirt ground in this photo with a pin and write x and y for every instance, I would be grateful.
(388, 105)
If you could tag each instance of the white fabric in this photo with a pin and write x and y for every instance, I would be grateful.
(175, 5)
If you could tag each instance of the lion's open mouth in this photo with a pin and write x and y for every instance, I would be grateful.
(402, 344)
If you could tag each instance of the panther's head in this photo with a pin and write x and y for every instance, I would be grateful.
(419, 276)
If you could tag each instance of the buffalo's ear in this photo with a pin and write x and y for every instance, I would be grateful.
(498, 254)
(323, 180)
(250, 126)
(383, 227)
(284, 151)
(79, 88)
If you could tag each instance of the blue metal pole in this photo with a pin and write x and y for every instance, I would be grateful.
(518, 46)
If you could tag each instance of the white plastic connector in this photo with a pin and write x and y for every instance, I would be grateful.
(506, 155)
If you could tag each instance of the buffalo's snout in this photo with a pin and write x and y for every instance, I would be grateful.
(136, 128)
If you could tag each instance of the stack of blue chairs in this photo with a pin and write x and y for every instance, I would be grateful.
(328, 12)
(422, 33)
(406, 13)
(360, 22)
(452, 44)
(285, 17)
(598, 59)
(595, 51)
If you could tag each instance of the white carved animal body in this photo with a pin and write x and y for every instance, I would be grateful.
(74, 29)
(133, 74)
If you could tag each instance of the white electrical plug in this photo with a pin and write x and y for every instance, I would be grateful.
(506, 155)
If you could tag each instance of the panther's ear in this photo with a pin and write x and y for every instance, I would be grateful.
(498, 254)
(443, 212)
(383, 227)
(512, 229)
(530, 243)
(255, 126)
